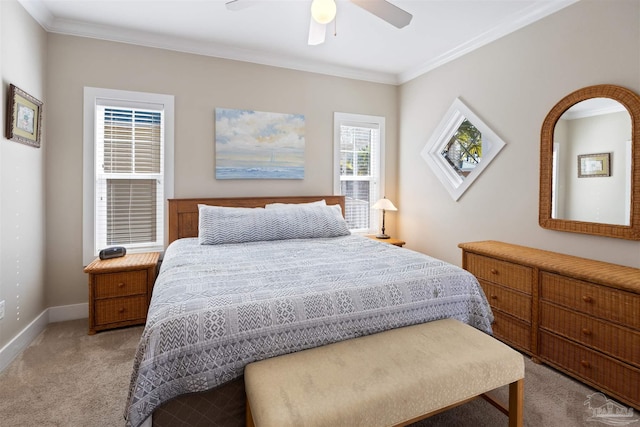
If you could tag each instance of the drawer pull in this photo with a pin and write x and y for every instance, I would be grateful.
(493, 271)
(587, 299)
(494, 297)
(121, 285)
(586, 331)
(121, 310)
(585, 363)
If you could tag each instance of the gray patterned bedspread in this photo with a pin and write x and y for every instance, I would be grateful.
(217, 308)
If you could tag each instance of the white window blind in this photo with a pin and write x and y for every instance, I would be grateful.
(129, 176)
(359, 168)
(128, 170)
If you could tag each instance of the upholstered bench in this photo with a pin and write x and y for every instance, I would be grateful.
(392, 378)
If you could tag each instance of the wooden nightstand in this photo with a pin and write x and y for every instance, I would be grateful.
(391, 240)
(120, 290)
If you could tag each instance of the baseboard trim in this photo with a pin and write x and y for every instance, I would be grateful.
(50, 315)
(21, 341)
(63, 313)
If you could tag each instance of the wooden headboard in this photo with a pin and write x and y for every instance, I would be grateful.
(183, 213)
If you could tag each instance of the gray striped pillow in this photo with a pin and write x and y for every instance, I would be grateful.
(219, 225)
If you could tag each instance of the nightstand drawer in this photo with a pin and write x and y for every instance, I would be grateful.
(501, 272)
(508, 301)
(121, 309)
(121, 284)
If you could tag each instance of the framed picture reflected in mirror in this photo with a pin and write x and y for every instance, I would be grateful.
(594, 165)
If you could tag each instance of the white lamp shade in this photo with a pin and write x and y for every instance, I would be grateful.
(323, 11)
(384, 204)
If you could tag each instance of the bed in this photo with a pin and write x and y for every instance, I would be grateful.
(240, 285)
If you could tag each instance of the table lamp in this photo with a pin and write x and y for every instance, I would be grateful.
(386, 205)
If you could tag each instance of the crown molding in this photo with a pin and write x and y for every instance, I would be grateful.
(38, 10)
(51, 24)
(514, 23)
(199, 47)
(592, 112)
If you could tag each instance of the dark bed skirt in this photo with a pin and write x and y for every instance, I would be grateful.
(223, 406)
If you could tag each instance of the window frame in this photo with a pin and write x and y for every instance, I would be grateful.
(366, 121)
(93, 96)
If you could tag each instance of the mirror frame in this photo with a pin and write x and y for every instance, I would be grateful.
(631, 102)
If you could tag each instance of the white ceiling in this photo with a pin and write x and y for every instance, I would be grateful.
(592, 107)
(274, 32)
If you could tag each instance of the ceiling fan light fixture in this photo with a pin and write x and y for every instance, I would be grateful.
(323, 11)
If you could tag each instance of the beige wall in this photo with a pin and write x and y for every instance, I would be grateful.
(199, 84)
(512, 84)
(22, 198)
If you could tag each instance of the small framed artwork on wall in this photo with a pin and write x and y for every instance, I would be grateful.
(24, 117)
(594, 165)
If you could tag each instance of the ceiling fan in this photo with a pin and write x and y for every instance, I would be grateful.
(323, 12)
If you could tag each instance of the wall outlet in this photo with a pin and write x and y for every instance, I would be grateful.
(1, 309)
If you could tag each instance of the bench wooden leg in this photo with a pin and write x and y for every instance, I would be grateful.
(249, 422)
(516, 403)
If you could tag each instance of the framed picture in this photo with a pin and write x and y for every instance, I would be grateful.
(594, 165)
(258, 145)
(24, 117)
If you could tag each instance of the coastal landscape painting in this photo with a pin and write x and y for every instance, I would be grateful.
(258, 145)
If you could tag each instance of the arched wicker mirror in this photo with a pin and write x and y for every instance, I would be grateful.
(590, 163)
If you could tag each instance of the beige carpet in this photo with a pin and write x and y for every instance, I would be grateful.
(67, 378)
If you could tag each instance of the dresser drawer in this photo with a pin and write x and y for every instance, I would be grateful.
(619, 379)
(606, 303)
(502, 272)
(514, 303)
(110, 285)
(511, 330)
(115, 310)
(617, 341)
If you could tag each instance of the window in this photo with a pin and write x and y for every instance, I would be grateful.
(460, 148)
(128, 170)
(358, 167)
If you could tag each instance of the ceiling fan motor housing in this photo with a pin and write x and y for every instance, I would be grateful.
(323, 11)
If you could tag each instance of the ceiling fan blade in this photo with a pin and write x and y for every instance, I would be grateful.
(239, 4)
(386, 11)
(317, 32)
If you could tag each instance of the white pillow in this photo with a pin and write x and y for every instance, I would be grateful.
(293, 205)
(219, 225)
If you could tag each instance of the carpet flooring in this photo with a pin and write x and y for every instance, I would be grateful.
(66, 378)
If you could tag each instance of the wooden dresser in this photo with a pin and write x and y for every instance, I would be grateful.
(578, 315)
(120, 290)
